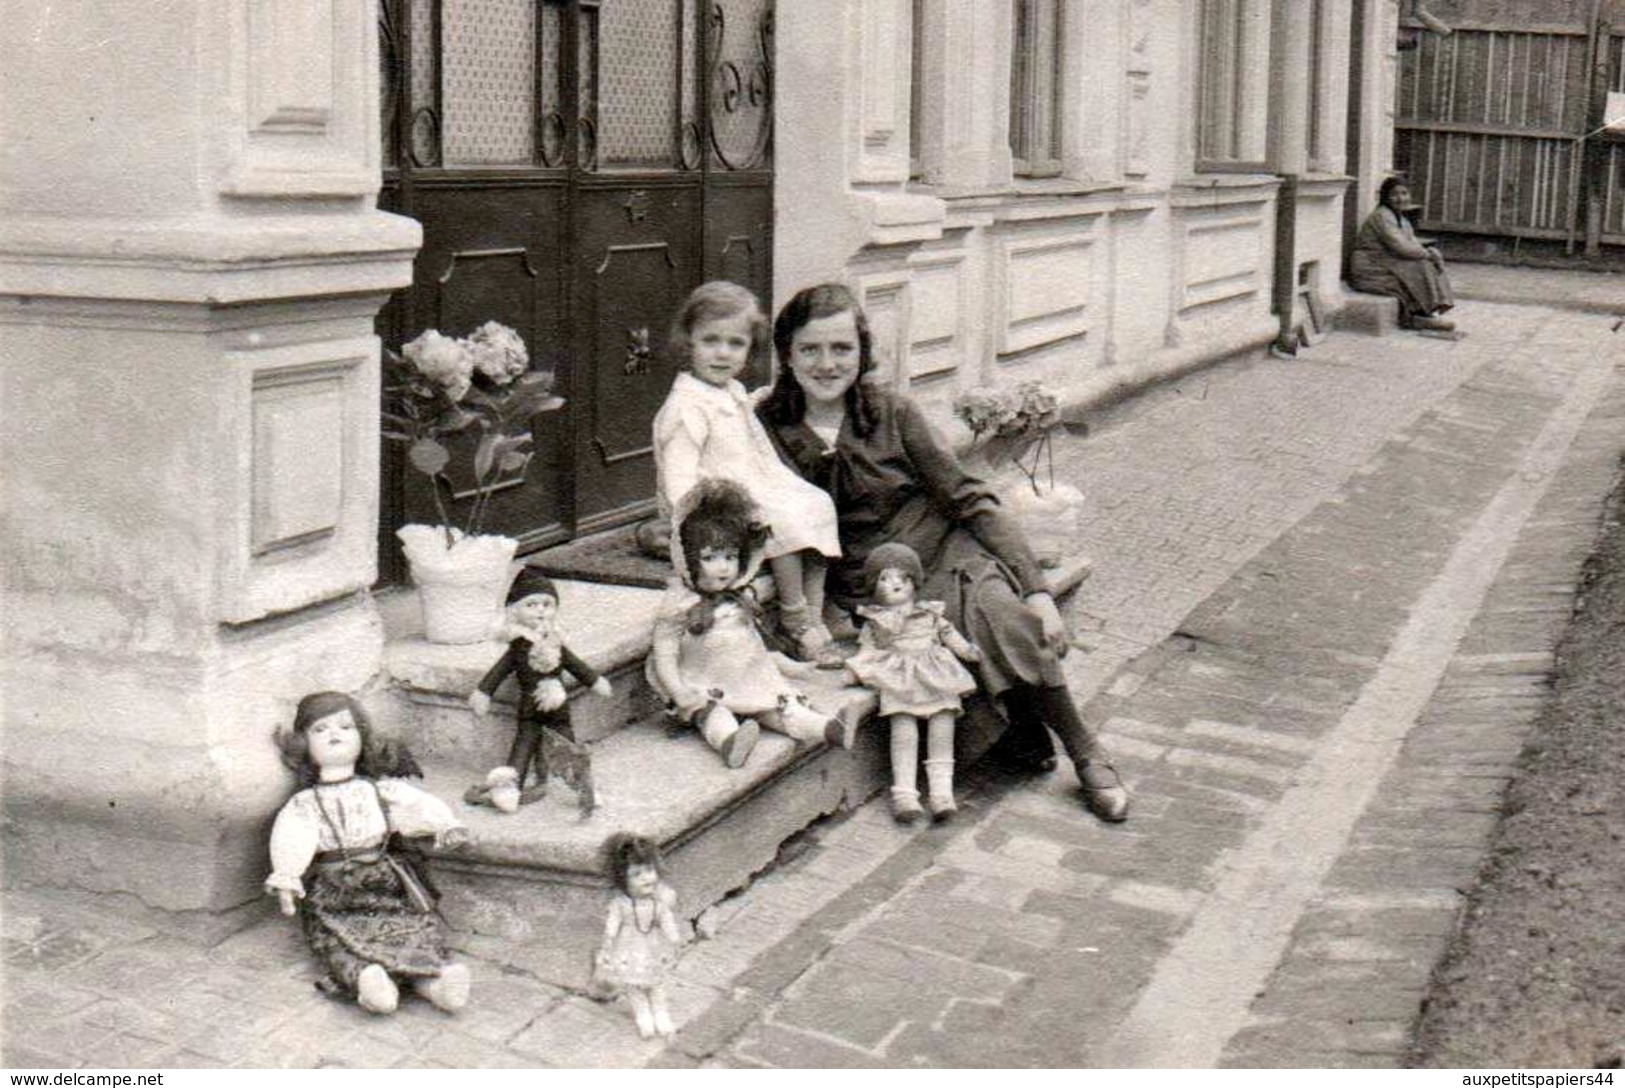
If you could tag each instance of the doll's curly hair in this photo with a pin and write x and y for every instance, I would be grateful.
(380, 758)
(623, 850)
(721, 517)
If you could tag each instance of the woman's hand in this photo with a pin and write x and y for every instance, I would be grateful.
(601, 687)
(479, 702)
(1049, 620)
(451, 838)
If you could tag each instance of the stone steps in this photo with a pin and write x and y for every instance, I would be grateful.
(539, 870)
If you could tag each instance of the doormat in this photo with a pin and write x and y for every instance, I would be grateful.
(612, 558)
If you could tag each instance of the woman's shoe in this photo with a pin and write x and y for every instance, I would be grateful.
(1431, 323)
(1103, 792)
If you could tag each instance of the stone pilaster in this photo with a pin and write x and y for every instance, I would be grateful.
(191, 260)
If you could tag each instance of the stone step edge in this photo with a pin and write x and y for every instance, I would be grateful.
(652, 781)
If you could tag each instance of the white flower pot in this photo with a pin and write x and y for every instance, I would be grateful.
(461, 588)
(1050, 517)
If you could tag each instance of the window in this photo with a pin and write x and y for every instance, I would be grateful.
(1035, 88)
(1232, 87)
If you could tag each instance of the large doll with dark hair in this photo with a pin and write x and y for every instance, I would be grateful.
(367, 911)
(708, 659)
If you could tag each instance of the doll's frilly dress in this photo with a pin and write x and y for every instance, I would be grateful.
(361, 903)
(641, 939)
(903, 658)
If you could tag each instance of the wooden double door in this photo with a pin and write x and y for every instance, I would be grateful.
(578, 167)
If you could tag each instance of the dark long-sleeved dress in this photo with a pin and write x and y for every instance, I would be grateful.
(1388, 260)
(899, 483)
(536, 665)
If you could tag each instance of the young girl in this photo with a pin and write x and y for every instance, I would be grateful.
(708, 428)
(907, 654)
(641, 937)
(537, 655)
(708, 660)
(367, 913)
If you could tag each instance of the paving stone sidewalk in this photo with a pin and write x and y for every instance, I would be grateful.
(1311, 504)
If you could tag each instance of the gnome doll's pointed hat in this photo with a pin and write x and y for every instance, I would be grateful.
(718, 513)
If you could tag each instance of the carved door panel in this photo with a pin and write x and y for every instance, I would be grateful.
(578, 166)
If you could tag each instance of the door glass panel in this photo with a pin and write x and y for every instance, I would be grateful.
(637, 53)
(425, 85)
(488, 50)
(741, 83)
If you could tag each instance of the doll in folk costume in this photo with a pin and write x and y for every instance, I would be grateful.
(367, 910)
(708, 659)
(538, 658)
(910, 654)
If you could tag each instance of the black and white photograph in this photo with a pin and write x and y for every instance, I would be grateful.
(812, 534)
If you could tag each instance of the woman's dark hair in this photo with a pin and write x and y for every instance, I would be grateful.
(378, 759)
(786, 404)
(625, 850)
(1388, 186)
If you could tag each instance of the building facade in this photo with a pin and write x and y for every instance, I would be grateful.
(193, 259)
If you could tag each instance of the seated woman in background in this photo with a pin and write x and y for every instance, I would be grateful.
(1389, 260)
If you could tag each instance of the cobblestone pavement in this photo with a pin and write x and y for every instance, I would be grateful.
(1324, 601)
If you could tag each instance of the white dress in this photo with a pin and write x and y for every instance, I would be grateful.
(705, 430)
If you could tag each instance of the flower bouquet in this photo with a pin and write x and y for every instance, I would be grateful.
(443, 393)
(1014, 427)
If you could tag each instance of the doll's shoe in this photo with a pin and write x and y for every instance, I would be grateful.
(841, 732)
(905, 806)
(375, 991)
(447, 991)
(646, 1022)
(942, 807)
(1103, 792)
(663, 1025)
(737, 748)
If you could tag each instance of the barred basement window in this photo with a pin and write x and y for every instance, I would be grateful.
(1232, 86)
(1035, 88)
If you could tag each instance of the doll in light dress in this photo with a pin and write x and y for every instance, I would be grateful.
(707, 657)
(909, 654)
(708, 429)
(641, 934)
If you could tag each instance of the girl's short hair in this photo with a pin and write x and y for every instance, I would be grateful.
(786, 403)
(624, 850)
(710, 302)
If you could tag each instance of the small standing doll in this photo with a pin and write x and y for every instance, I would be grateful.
(909, 654)
(641, 936)
(708, 658)
(367, 912)
(543, 733)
